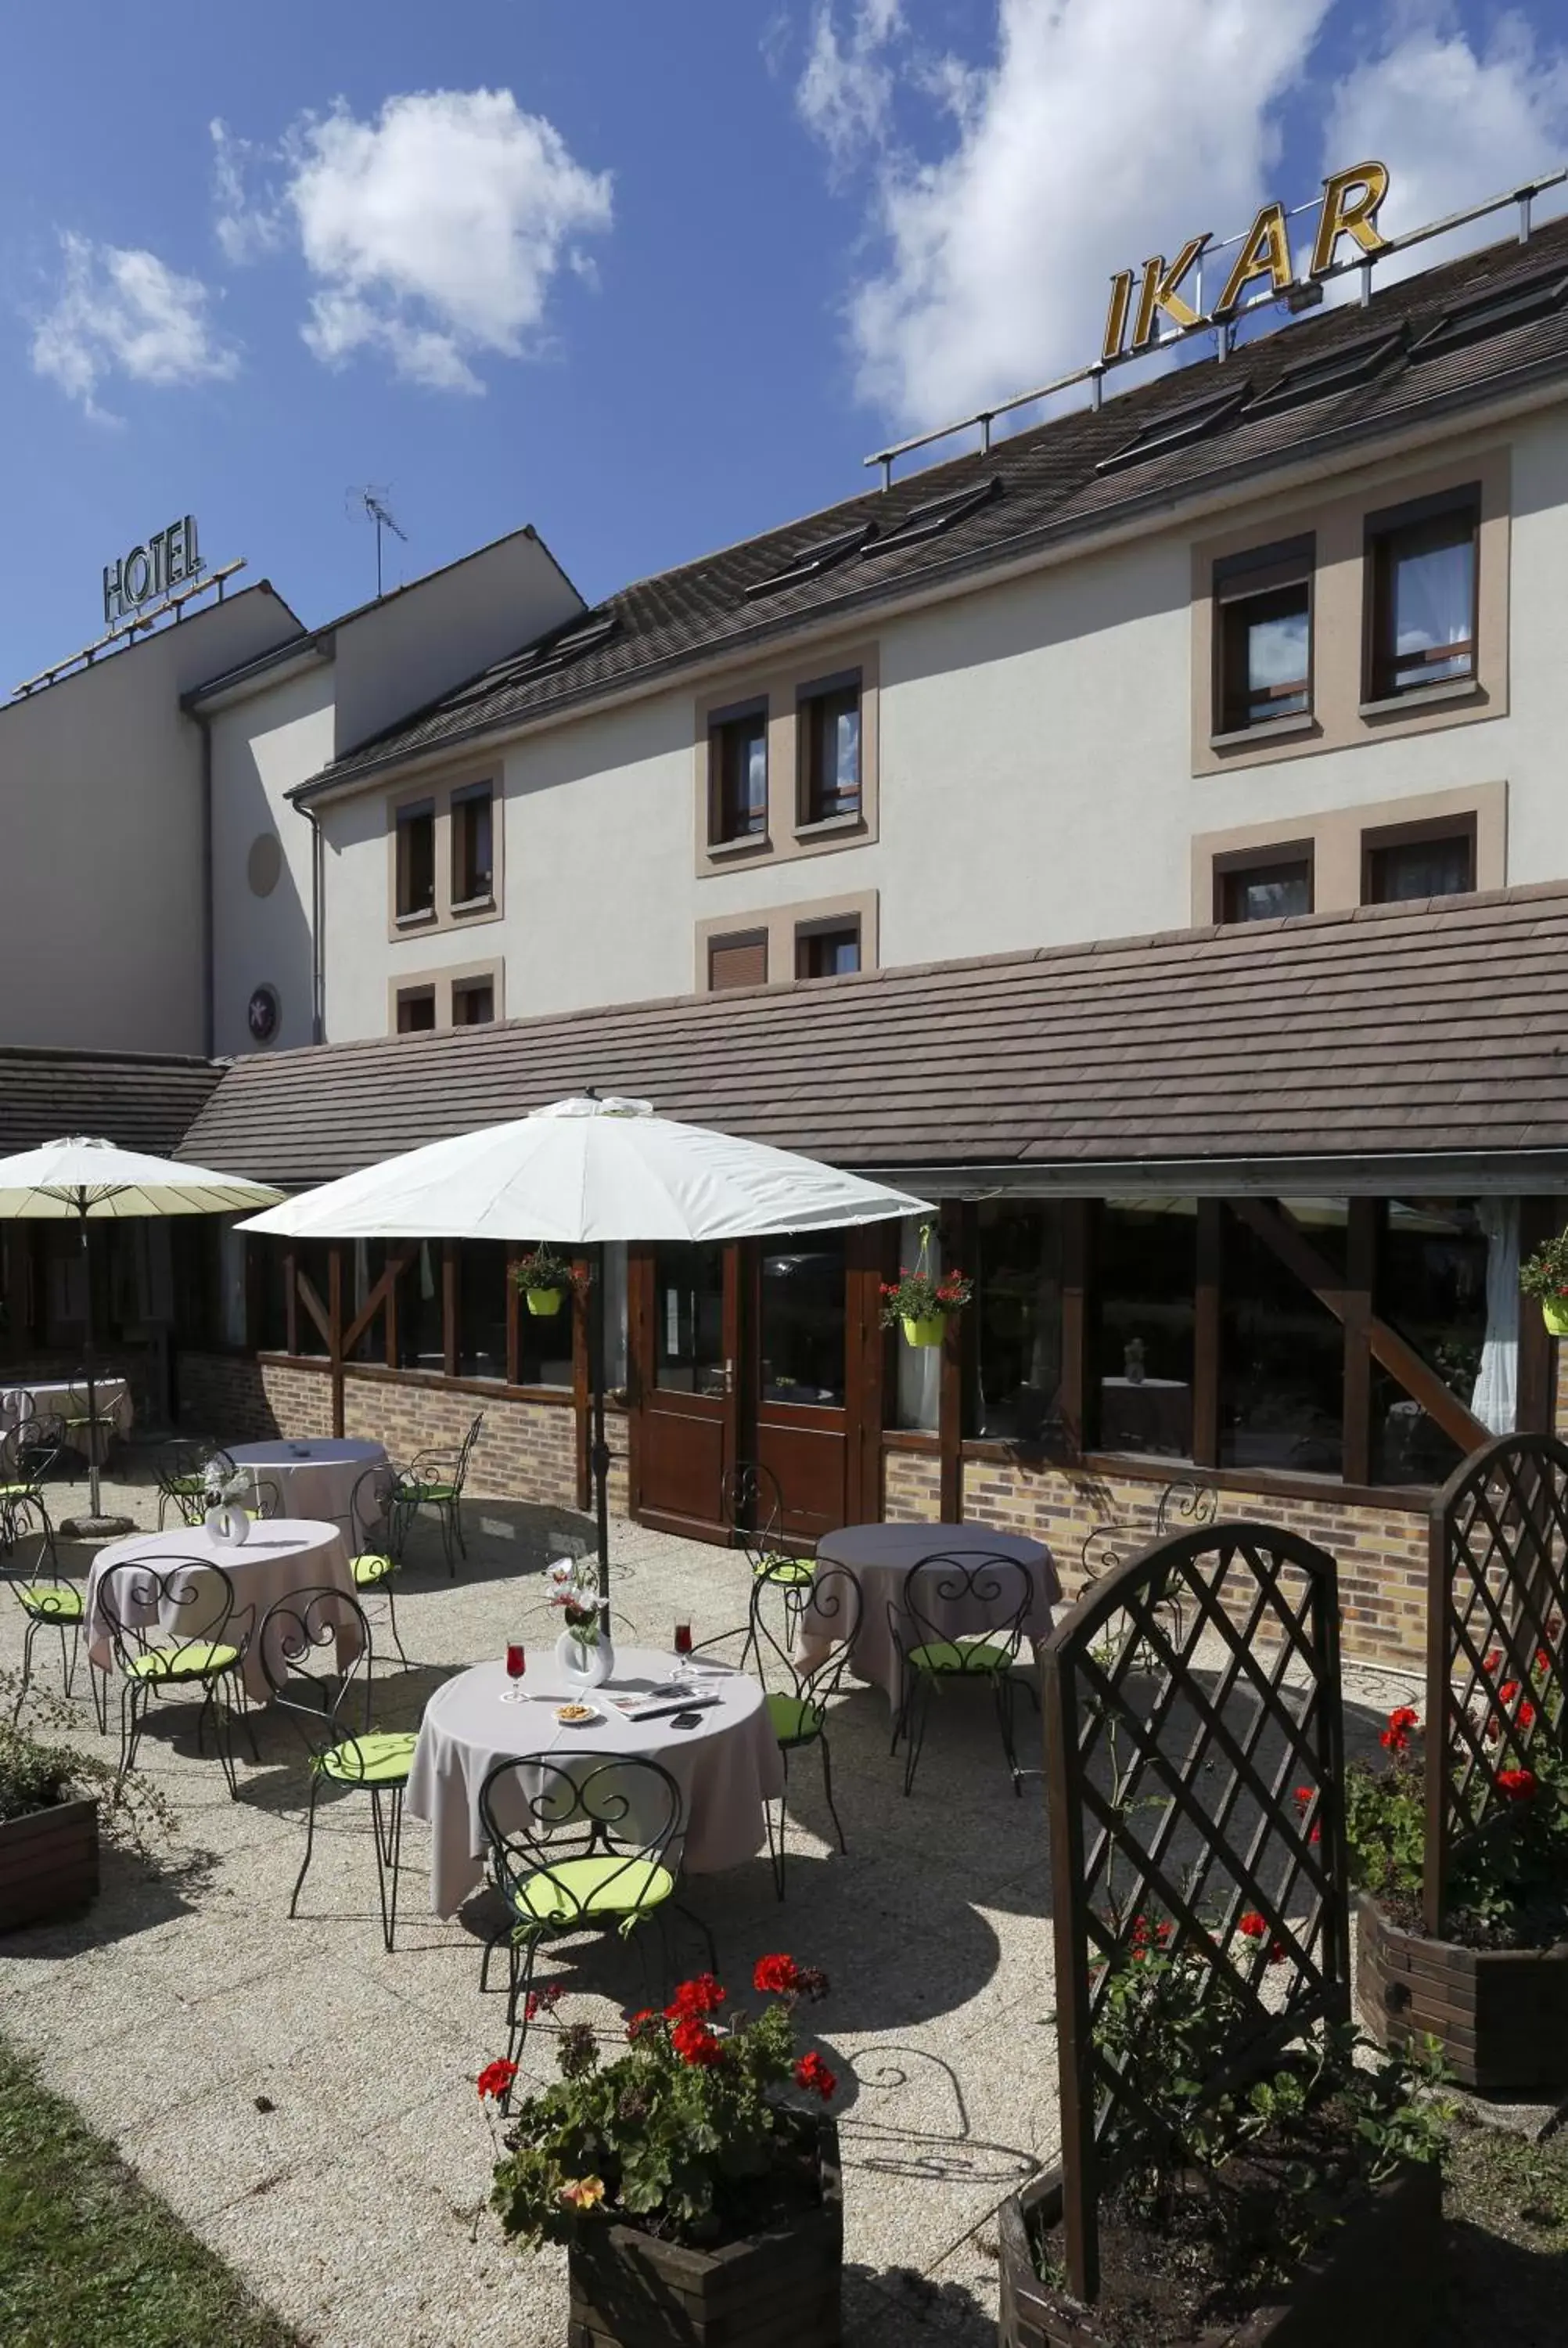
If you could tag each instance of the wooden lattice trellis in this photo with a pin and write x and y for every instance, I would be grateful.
(1497, 1638)
(1191, 1699)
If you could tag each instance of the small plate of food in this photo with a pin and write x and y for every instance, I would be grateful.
(577, 1716)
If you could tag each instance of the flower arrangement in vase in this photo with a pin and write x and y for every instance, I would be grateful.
(585, 1652)
(922, 1300)
(224, 1492)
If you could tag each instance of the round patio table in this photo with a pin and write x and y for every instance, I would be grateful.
(727, 1764)
(879, 1556)
(281, 1557)
(314, 1479)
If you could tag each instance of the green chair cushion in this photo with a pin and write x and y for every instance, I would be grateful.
(793, 1572)
(199, 1661)
(15, 1491)
(51, 1602)
(961, 1656)
(793, 1720)
(383, 1758)
(368, 1571)
(188, 1487)
(601, 1885)
(434, 1491)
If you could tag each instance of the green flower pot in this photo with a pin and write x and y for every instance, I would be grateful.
(1555, 1312)
(543, 1303)
(928, 1331)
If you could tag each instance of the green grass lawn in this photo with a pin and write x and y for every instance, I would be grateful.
(89, 2256)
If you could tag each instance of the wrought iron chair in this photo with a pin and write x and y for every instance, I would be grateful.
(180, 1469)
(47, 1602)
(797, 1700)
(174, 1627)
(751, 1506)
(434, 1479)
(27, 1453)
(373, 1562)
(89, 1430)
(587, 1847)
(932, 1655)
(329, 1703)
(1184, 1507)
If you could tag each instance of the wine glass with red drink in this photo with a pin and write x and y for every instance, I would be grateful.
(517, 1664)
(684, 1650)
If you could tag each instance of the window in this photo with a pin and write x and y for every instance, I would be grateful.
(740, 961)
(312, 1263)
(482, 1309)
(1263, 889)
(1263, 637)
(802, 1322)
(1338, 370)
(1174, 427)
(829, 726)
(814, 560)
(827, 953)
(473, 1002)
(271, 1296)
(1282, 1353)
(421, 1314)
(417, 862)
(738, 760)
(1434, 860)
(1432, 1257)
(1493, 314)
(934, 517)
(689, 1319)
(473, 855)
(415, 1010)
(365, 1262)
(1016, 1319)
(1421, 598)
(1147, 1259)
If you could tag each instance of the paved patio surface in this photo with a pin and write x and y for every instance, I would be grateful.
(355, 2204)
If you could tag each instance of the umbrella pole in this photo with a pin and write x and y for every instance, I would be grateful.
(598, 1450)
(89, 1365)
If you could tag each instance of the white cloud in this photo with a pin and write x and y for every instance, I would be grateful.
(432, 233)
(1100, 131)
(1454, 123)
(119, 311)
(845, 95)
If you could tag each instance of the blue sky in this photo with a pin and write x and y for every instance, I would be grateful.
(652, 278)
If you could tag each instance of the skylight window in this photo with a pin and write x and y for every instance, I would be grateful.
(1338, 370)
(1492, 314)
(1176, 426)
(814, 560)
(541, 659)
(930, 520)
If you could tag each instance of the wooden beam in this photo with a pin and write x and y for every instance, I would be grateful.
(1206, 1336)
(450, 1275)
(956, 1227)
(291, 1301)
(378, 1296)
(334, 1331)
(1077, 1245)
(515, 1254)
(304, 1289)
(1331, 1287)
(1361, 1270)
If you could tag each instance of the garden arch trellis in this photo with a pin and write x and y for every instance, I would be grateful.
(1497, 1608)
(1188, 1697)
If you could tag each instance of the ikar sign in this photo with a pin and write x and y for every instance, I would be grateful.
(1350, 202)
(166, 560)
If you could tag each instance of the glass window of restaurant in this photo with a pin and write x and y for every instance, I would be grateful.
(689, 1319)
(1433, 1261)
(313, 1261)
(482, 1309)
(1015, 1357)
(421, 1318)
(1282, 1353)
(1142, 1365)
(803, 1322)
(365, 1260)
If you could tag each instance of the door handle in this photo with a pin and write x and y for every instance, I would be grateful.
(729, 1377)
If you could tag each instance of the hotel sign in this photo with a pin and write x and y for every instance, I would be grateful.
(169, 558)
(1350, 202)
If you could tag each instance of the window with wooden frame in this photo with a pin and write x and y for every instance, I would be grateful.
(473, 1002)
(1264, 884)
(415, 1010)
(1437, 859)
(828, 735)
(738, 961)
(1423, 576)
(473, 848)
(416, 852)
(738, 774)
(1263, 636)
(826, 949)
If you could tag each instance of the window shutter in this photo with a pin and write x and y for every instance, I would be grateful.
(738, 961)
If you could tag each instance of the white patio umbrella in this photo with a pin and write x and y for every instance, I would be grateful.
(87, 1180)
(580, 1173)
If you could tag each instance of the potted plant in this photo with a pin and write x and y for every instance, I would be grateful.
(1544, 1275)
(1304, 2205)
(1494, 1990)
(544, 1278)
(924, 1300)
(693, 2197)
(50, 1815)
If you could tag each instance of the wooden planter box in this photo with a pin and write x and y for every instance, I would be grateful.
(49, 1864)
(779, 2290)
(1371, 2282)
(1500, 2013)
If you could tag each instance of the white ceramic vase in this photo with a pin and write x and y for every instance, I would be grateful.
(586, 1663)
(228, 1525)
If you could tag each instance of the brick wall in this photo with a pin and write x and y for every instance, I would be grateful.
(234, 1398)
(911, 1487)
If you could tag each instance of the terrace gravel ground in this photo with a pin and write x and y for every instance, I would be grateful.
(305, 2102)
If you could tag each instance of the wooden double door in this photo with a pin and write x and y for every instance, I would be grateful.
(766, 1350)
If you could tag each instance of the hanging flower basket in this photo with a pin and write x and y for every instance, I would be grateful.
(921, 1302)
(544, 1279)
(543, 1303)
(927, 1330)
(1544, 1275)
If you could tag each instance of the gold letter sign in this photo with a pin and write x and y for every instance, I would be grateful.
(1350, 202)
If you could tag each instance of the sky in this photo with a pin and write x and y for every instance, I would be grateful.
(650, 278)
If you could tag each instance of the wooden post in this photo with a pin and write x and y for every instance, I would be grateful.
(955, 1223)
(1076, 1243)
(1206, 1335)
(1361, 1262)
(334, 1330)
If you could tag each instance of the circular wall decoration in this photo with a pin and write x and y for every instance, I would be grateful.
(262, 1013)
(264, 865)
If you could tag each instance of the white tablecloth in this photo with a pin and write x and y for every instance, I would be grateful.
(316, 1478)
(726, 1766)
(53, 1397)
(879, 1556)
(279, 1557)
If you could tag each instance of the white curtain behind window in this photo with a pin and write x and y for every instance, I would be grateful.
(1495, 1401)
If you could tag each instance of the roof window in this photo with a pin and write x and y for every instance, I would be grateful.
(1337, 370)
(1492, 314)
(1176, 426)
(930, 520)
(814, 560)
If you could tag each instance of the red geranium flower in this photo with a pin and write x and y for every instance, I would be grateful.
(1304, 1796)
(637, 2024)
(1507, 1690)
(1525, 1716)
(1517, 1785)
(702, 1995)
(1253, 1925)
(695, 2043)
(495, 2078)
(811, 2072)
(777, 1976)
(1402, 1720)
(1542, 1660)
(1494, 1661)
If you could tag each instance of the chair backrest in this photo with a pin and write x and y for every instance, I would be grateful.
(369, 1510)
(27, 1552)
(167, 1608)
(324, 1699)
(539, 1816)
(832, 1610)
(974, 1593)
(266, 1498)
(752, 1504)
(466, 1453)
(28, 1450)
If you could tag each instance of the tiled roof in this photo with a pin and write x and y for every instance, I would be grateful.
(1434, 1030)
(140, 1100)
(1051, 486)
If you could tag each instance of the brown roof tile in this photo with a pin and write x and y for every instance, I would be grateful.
(140, 1100)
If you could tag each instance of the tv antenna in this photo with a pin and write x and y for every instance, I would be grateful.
(371, 502)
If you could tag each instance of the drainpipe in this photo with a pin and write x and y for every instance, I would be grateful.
(318, 929)
(209, 978)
